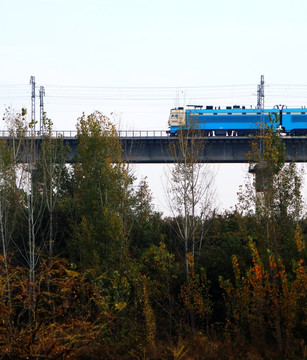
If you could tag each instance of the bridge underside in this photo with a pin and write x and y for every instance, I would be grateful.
(153, 150)
(213, 149)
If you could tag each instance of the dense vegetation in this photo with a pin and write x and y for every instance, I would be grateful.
(88, 269)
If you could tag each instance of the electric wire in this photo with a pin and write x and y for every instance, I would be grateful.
(71, 95)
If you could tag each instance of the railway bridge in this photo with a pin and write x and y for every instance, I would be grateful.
(153, 146)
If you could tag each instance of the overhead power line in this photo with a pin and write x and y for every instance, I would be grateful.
(217, 94)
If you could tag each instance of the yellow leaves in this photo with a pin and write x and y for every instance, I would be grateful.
(300, 243)
(149, 315)
(71, 273)
(266, 296)
(190, 259)
(236, 268)
(158, 257)
(120, 306)
(64, 314)
(195, 295)
(301, 278)
(109, 160)
(179, 351)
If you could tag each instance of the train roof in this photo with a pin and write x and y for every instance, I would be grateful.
(235, 108)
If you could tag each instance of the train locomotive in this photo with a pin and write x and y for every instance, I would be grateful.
(236, 120)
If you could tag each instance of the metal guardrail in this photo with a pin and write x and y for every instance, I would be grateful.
(37, 134)
(142, 133)
(123, 134)
(73, 133)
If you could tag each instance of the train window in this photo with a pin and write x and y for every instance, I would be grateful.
(243, 113)
(176, 116)
(229, 113)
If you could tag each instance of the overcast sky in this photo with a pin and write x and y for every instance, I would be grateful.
(87, 53)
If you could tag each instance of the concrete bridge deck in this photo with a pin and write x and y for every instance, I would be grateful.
(146, 146)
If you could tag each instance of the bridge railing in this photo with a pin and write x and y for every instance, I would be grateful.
(73, 133)
(142, 133)
(37, 134)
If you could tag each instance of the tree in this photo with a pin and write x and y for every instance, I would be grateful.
(190, 199)
(265, 299)
(51, 173)
(30, 183)
(191, 192)
(68, 318)
(266, 304)
(101, 191)
(277, 200)
(11, 182)
(145, 223)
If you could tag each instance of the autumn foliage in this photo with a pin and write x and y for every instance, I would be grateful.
(89, 271)
(265, 304)
(66, 314)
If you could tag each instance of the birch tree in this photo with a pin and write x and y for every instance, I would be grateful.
(191, 192)
(52, 171)
(10, 194)
(29, 176)
(191, 198)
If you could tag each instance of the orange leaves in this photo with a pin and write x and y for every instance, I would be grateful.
(64, 317)
(300, 243)
(195, 294)
(273, 266)
(300, 284)
(190, 259)
(236, 267)
(267, 299)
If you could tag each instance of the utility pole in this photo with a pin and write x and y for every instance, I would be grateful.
(32, 82)
(30, 202)
(260, 94)
(260, 169)
(41, 106)
(260, 102)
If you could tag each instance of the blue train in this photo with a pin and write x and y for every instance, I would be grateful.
(236, 120)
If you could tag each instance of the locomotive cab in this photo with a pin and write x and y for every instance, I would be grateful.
(177, 117)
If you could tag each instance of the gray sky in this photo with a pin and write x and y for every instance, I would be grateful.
(96, 54)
